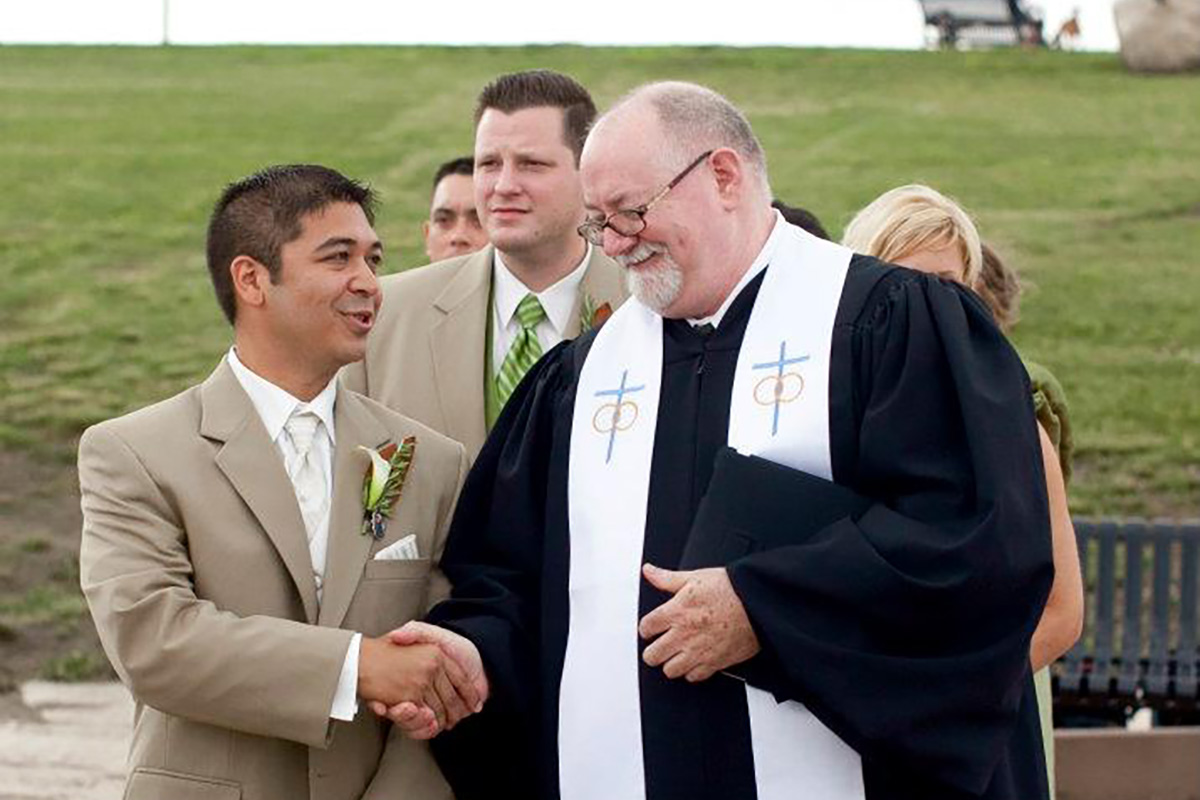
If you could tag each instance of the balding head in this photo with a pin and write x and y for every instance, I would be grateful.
(705, 224)
(692, 119)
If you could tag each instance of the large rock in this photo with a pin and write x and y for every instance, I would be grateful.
(1159, 35)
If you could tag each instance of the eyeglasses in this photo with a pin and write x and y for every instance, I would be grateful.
(632, 221)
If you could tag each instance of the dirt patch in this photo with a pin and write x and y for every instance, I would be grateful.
(45, 630)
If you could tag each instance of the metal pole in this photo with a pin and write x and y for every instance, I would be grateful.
(166, 19)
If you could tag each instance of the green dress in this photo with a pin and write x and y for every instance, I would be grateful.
(1050, 404)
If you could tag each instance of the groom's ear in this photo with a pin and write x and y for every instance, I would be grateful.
(250, 278)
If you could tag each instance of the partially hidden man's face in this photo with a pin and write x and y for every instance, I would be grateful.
(453, 228)
(327, 296)
(668, 266)
(526, 181)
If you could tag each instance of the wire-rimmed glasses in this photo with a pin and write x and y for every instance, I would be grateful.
(632, 221)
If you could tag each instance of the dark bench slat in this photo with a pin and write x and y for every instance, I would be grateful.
(1129, 674)
(1185, 670)
(1106, 538)
(1157, 672)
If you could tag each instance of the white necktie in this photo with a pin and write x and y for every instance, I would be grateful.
(305, 469)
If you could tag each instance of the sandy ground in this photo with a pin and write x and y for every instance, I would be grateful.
(64, 741)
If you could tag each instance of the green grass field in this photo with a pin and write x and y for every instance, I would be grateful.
(1087, 178)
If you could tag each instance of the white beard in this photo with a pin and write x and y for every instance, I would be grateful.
(655, 288)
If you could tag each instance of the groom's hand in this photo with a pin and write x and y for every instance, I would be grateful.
(390, 675)
(467, 678)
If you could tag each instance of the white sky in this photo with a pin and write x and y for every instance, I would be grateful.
(823, 23)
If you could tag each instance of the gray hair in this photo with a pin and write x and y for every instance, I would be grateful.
(694, 119)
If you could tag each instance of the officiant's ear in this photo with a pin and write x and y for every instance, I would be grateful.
(730, 171)
(250, 279)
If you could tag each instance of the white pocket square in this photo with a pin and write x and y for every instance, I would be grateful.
(402, 550)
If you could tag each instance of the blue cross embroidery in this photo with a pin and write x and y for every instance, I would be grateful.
(778, 366)
(619, 393)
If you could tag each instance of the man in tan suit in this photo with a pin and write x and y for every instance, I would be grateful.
(456, 337)
(225, 559)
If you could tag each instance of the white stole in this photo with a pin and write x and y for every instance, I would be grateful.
(780, 411)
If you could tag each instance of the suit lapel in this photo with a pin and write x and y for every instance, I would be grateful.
(603, 283)
(354, 425)
(253, 466)
(457, 345)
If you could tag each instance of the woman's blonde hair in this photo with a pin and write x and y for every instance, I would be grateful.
(912, 218)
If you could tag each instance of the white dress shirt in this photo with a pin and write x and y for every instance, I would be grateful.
(274, 406)
(558, 301)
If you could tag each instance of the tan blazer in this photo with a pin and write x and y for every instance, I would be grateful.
(426, 355)
(196, 568)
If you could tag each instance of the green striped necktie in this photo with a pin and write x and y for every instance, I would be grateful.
(525, 350)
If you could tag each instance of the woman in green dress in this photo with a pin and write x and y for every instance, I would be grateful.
(917, 227)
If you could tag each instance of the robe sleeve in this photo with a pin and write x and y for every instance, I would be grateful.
(903, 621)
(493, 559)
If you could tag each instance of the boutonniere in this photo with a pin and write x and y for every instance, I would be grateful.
(383, 482)
(594, 316)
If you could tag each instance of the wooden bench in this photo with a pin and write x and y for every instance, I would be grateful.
(986, 23)
(1141, 625)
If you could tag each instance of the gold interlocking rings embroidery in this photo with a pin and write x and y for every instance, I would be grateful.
(778, 389)
(611, 416)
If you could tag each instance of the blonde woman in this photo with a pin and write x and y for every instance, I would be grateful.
(920, 228)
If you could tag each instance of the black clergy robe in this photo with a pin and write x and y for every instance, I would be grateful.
(904, 624)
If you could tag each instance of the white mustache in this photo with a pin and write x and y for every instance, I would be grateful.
(639, 254)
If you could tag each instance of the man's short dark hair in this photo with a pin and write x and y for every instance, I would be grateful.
(801, 218)
(538, 88)
(258, 215)
(457, 166)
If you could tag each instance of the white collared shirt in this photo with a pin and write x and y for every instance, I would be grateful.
(558, 301)
(758, 265)
(274, 406)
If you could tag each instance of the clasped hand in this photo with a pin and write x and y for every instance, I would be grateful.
(702, 630)
(427, 679)
(424, 678)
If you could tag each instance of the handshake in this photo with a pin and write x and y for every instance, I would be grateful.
(423, 678)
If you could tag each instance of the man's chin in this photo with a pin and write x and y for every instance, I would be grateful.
(352, 346)
(510, 238)
(352, 353)
(658, 289)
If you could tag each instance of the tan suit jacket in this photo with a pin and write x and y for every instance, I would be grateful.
(426, 355)
(196, 568)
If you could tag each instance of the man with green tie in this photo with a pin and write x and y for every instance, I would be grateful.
(455, 338)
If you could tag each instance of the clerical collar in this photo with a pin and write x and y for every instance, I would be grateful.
(274, 404)
(558, 300)
(758, 265)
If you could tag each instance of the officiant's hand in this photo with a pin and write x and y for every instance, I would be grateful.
(702, 630)
(465, 696)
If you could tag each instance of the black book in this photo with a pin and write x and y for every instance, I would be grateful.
(753, 504)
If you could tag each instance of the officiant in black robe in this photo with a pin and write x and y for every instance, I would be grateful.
(896, 601)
